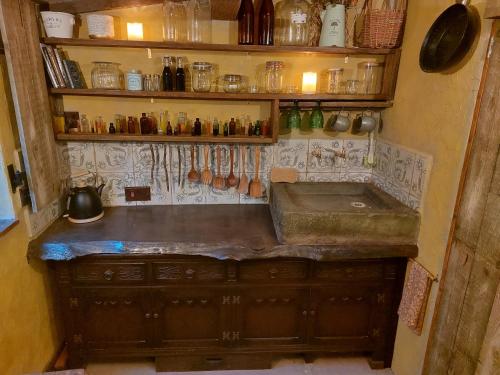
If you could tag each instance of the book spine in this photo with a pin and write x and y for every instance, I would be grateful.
(54, 64)
(68, 73)
(48, 67)
(59, 58)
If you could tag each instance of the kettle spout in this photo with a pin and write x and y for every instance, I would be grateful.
(99, 189)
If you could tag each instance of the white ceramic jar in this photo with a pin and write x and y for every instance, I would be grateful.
(101, 26)
(58, 24)
(134, 80)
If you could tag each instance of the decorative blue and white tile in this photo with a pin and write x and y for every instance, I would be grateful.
(76, 157)
(160, 192)
(323, 177)
(185, 192)
(421, 173)
(113, 193)
(396, 192)
(402, 168)
(302, 177)
(114, 157)
(364, 177)
(147, 156)
(383, 159)
(266, 184)
(226, 196)
(321, 157)
(184, 162)
(414, 203)
(355, 151)
(39, 221)
(266, 158)
(291, 153)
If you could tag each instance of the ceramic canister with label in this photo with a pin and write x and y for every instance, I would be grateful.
(333, 29)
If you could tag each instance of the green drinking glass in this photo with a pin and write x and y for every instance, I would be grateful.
(294, 119)
(316, 121)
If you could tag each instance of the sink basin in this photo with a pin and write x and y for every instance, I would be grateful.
(330, 213)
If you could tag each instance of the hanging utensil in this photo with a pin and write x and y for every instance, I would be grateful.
(243, 187)
(165, 166)
(255, 189)
(206, 175)
(232, 180)
(193, 175)
(450, 38)
(219, 181)
(180, 166)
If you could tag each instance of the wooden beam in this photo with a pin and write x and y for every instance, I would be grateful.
(221, 9)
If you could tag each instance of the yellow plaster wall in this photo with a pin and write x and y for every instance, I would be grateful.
(28, 338)
(432, 113)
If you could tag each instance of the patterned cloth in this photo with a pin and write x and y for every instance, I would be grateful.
(415, 295)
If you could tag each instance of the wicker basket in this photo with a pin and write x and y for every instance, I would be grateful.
(381, 27)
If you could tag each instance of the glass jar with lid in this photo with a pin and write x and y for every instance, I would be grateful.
(293, 18)
(201, 77)
(232, 83)
(106, 75)
(334, 83)
(370, 76)
(274, 76)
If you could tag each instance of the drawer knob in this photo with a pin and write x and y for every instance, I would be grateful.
(108, 275)
(273, 272)
(156, 316)
(304, 312)
(190, 273)
(147, 315)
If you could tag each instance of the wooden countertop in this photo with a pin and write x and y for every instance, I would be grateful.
(219, 231)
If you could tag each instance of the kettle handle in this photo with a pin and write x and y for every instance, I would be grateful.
(99, 188)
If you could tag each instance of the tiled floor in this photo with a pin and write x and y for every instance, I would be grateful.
(331, 366)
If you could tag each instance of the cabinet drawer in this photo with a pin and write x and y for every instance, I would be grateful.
(265, 271)
(186, 272)
(109, 273)
(342, 271)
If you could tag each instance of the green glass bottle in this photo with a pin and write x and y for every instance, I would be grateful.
(294, 120)
(316, 121)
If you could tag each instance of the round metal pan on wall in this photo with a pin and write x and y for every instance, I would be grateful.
(450, 38)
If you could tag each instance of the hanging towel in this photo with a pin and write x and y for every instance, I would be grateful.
(415, 295)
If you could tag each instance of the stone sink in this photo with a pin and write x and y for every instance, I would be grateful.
(340, 213)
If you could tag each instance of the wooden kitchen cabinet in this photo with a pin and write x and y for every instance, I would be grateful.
(197, 313)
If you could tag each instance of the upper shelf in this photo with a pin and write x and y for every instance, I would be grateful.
(215, 47)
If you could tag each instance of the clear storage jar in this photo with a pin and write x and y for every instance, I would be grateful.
(334, 82)
(293, 18)
(232, 83)
(370, 75)
(106, 75)
(274, 76)
(201, 77)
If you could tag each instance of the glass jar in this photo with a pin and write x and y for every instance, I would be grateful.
(199, 21)
(274, 76)
(174, 21)
(370, 74)
(335, 76)
(292, 18)
(352, 87)
(134, 80)
(201, 77)
(232, 83)
(106, 75)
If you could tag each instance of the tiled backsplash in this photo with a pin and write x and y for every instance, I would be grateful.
(399, 171)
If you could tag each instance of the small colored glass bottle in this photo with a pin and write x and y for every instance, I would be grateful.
(144, 122)
(167, 75)
(131, 125)
(250, 129)
(197, 127)
(169, 128)
(257, 129)
(180, 76)
(112, 129)
(84, 122)
(226, 129)
(215, 128)
(266, 128)
(232, 127)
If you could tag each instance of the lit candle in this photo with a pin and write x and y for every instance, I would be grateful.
(134, 31)
(309, 83)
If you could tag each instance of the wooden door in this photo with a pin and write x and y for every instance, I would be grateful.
(343, 315)
(272, 315)
(114, 318)
(189, 317)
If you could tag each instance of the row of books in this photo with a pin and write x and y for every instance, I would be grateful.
(62, 72)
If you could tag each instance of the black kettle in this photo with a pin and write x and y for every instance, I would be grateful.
(84, 204)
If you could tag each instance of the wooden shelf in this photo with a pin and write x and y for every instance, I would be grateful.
(161, 138)
(358, 99)
(216, 47)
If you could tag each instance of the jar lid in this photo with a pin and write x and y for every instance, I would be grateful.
(371, 64)
(336, 69)
(134, 71)
(232, 77)
(274, 64)
(200, 65)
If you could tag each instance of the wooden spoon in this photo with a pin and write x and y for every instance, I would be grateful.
(219, 181)
(243, 188)
(256, 186)
(232, 180)
(206, 175)
(193, 175)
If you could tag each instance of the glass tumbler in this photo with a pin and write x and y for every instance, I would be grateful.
(274, 76)
(370, 74)
(335, 76)
(106, 75)
(232, 83)
(201, 77)
(352, 86)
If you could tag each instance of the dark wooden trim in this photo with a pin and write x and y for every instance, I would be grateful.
(217, 47)
(160, 138)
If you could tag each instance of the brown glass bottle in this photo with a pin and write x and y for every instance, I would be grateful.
(266, 23)
(131, 125)
(245, 22)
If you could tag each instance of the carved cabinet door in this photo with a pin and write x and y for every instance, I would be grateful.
(343, 315)
(272, 315)
(113, 318)
(189, 317)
